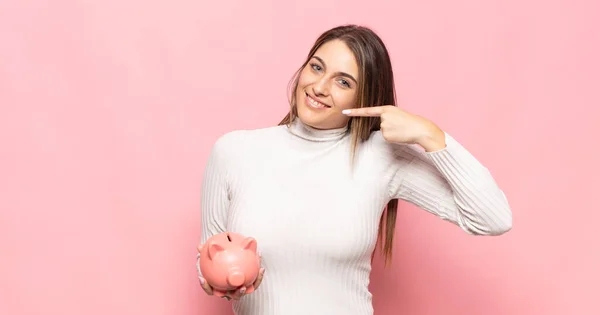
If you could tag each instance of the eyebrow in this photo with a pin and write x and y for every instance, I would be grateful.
(344, 74)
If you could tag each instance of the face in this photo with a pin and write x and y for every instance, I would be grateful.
(327, 85)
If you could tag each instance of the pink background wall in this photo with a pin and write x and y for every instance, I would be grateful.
(109, 108)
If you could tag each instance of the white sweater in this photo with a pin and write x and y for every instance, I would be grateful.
(316, 220)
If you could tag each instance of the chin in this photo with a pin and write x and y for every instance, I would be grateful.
(309, 118)
(319, 118)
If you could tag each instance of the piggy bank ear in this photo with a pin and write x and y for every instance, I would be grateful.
(249, 243)
(214, 249)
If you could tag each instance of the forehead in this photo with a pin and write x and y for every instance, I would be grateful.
(338, 57)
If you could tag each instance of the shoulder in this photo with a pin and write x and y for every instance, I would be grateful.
(232, 142)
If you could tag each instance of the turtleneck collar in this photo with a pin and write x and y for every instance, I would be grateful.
(304, 131)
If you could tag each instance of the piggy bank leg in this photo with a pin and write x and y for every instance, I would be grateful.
(250, 289)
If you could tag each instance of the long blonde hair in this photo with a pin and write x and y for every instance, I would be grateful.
(376, 88)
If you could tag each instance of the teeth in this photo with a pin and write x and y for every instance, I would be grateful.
(315, 103)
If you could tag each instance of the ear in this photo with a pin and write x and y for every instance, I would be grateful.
(214, 249)
(249, 243)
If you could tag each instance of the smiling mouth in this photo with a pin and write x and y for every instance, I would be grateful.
(314, 103)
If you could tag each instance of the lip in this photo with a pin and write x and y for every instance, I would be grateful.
(308, 96)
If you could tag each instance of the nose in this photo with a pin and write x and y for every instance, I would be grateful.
(321, 87)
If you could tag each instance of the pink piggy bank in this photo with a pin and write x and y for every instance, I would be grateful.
(229, 261)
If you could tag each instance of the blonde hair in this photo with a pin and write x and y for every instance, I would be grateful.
(376, 88)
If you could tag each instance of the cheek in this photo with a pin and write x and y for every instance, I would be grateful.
(304, 78)
(345, 99)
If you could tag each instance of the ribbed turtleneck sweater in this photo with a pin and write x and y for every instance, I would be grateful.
(315, 216)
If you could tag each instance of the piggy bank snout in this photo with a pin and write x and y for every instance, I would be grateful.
(236, 278)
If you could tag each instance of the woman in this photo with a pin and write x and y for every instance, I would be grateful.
(320, 189)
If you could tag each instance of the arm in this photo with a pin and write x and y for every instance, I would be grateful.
(446, 180)
(214, 195)
(449, 182)
(215, 204)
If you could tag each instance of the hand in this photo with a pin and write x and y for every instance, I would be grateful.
(233, 294)
(399, 126)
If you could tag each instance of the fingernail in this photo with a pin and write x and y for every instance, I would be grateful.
(202, 281)
(346, 111)
(243, 290)
(262, 270)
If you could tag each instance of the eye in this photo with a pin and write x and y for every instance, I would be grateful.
(316, 67)
(344, 83)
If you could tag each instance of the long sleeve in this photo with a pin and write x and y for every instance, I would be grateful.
(215, 192)
(214, 202)
(453, 185)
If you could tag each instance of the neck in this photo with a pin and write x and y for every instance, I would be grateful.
(304, 131)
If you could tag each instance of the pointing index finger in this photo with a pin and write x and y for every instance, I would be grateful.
(364, 111)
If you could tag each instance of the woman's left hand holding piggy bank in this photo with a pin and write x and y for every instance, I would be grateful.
(229, 266)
